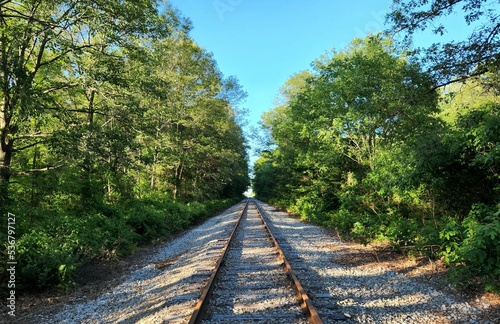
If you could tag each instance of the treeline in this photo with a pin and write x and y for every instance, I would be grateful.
(380, 147)
(116, 129)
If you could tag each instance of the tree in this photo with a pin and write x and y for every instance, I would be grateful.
(359, 104)
(456, 60)
(363, 96)
(41, 43)
(191, 144)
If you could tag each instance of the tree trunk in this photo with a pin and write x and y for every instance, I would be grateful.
(178, 179)
(90, 107)
(6, 149)
(153, 168)
(33, 179)
(6, 146)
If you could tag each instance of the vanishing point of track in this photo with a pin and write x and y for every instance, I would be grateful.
(252, 280)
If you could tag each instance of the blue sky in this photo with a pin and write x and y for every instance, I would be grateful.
(264, 42)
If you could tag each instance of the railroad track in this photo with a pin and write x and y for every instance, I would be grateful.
(252, 281)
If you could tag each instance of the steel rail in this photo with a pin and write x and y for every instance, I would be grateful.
(304, 300)
(201, 305)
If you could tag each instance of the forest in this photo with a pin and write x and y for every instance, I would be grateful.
(383, 142)
(116, 130)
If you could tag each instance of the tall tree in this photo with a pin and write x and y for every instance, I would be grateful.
(359, 103)
(368, 94)
(190, 135)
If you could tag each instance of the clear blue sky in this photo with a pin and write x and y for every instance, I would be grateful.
(264, 42)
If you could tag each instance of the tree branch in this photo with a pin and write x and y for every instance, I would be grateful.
(27, 146)
(49, 168)
(38, 134)
(60, 87)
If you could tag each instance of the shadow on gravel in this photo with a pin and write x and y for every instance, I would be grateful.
(356, 283)
(152, 307)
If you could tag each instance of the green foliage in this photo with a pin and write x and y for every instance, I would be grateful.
(480, 248)
(364, 146)
(459, 59)
(50, 253)
(472, 248)
(113, 134)
(45, 260)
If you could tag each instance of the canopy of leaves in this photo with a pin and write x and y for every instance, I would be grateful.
(477, 53)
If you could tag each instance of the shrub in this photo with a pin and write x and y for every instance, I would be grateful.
(46, 261)
(150, 222)
(472, 249)
(480, 250)
(60, 240)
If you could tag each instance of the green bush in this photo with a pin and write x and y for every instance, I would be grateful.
(46, 261)
(148, 222)
(472, 249)
(103, 237)
(342, 220)
(402, 232)
(480, 250)
(179, 216)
